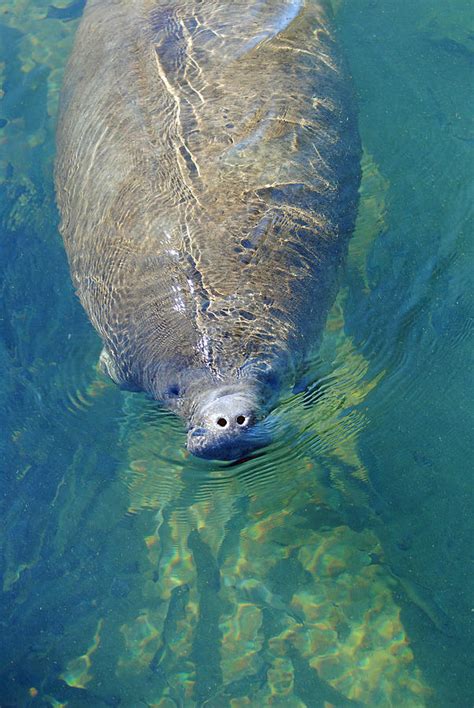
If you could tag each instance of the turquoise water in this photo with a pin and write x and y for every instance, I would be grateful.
(336, 570)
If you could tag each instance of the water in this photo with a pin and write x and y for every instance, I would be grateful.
(336, 569)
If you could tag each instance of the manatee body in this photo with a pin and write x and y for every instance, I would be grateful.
(207, 177)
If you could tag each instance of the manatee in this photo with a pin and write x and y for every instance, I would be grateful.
(207, 172)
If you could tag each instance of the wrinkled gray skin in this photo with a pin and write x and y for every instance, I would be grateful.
(207, 176)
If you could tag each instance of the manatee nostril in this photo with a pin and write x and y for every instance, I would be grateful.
(241, 419)
(222, 422)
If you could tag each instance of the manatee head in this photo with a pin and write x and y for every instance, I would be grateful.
(226, 423)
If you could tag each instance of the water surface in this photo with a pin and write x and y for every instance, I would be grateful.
(336, 568)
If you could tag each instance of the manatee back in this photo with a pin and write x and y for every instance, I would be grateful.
(207, 178)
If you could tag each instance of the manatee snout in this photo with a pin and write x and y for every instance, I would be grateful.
(227, 425)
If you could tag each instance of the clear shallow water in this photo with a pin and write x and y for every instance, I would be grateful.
(337, 567)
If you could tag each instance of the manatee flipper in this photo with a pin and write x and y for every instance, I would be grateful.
(108, 367)
(304, 382)
(371, 217)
